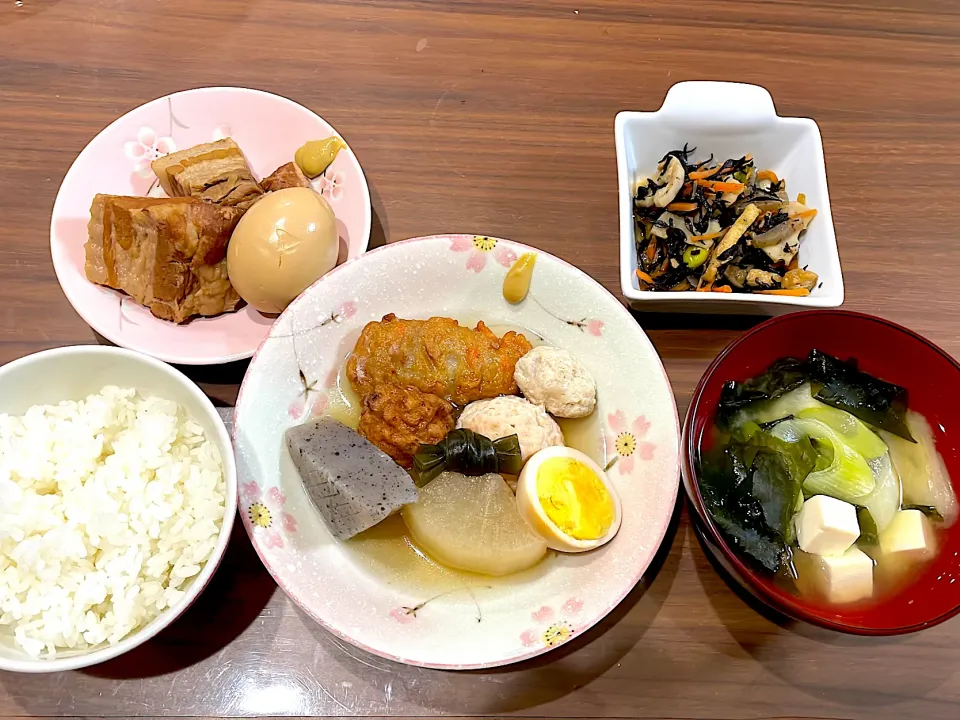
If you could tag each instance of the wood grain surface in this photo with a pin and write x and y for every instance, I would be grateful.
(496, 117)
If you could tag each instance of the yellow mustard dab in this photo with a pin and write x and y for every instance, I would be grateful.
(317, 155)
(575, 499)
(516, 284)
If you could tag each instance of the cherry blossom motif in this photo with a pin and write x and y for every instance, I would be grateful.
(572, 606)
(556, 633)
(264, 511)
(331, 185)
(250, 492)
(479, 247)
(627, 442)
(403, 615)
(543, 615)
(590, 326)
(259, 515)
(146, 148)
(311, 401)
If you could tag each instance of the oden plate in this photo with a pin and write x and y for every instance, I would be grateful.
(455, 623)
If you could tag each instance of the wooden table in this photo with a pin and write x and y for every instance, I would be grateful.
(497, 117)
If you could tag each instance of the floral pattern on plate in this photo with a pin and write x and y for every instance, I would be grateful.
(266, 511)
(479, 247)
(558, 630)
(475, 626)
(146, 148)
(627, 442)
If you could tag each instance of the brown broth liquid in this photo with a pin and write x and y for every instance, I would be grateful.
(387, 550)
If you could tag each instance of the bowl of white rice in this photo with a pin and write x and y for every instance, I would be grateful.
(118, 492)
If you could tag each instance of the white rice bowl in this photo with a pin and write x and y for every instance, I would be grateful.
(107, 506)
(116, 505)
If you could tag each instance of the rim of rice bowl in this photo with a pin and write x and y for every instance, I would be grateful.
(66, 361)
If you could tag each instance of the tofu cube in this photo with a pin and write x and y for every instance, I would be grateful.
(827, 526)
(838, 580)
(909, 533)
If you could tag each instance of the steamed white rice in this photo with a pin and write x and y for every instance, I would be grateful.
(108, 507)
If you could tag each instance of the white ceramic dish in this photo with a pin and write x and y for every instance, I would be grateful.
(72, 373)
(728, 120)
(451, 622)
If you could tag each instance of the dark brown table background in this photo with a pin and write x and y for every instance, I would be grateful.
(497, 117)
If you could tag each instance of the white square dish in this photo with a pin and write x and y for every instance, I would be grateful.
(728, 120)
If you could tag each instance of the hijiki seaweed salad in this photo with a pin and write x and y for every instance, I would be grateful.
(820, 475)
(721, 227)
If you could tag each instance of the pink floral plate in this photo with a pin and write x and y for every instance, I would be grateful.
(375, 593)
(269, 129)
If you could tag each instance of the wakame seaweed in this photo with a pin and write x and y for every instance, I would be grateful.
(751, 487)
(834, 382)
(844, 386)
(726, 488)
(780, 378)
(752, 482)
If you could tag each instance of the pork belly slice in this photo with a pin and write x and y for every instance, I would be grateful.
(286, 176)
(168, 254)
(215, 171)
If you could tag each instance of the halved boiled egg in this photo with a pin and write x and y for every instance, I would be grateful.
(568, 500)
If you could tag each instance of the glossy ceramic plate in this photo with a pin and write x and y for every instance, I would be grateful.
(368, 599)
(269, 129)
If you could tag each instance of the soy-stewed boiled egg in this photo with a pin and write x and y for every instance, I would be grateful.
(568, 500)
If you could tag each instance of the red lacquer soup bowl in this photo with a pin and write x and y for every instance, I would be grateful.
(885, 350)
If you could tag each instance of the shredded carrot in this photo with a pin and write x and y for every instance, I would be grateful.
(682, 207)
(722, 289)
(812, 212)
(731, 186)
(704, 174)
(664, 265)
(792, 292)
(651, 250)
(802, 198)
(643, 276)
(768, 175)
(705, 288)
(708, 236)
(748, 157)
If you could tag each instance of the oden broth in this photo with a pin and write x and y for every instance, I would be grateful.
(389, 552)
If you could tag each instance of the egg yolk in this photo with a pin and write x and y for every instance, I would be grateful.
(574, 498)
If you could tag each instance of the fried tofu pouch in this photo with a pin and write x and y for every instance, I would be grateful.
(398, 420)
(436, 356)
